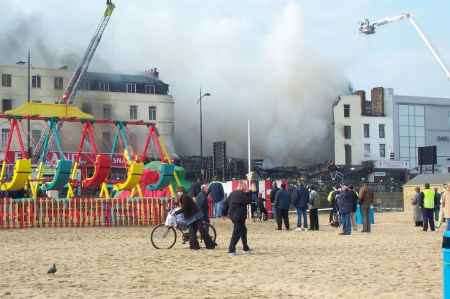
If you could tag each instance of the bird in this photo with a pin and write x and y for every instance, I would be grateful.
(52, 269)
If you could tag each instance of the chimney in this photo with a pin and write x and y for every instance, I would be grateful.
(153, 73)
(362, 96)
(377, 96)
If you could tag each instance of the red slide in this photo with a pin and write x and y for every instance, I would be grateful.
(102, 167)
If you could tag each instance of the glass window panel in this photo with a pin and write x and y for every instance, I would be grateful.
(411, 110)
(420, 131)
(404, 152)
(403, 119)
(420, 122)
(412, 141)
(420, 110)
(411, 120)
(412, 131)
(420, 141)
(404, 131)
(403, 109)
(404, 141)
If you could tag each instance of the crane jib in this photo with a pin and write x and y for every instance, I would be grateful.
(72, 87)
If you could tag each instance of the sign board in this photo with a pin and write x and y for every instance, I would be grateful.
(391, 164)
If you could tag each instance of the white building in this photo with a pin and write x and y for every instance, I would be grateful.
(409, 122)
(106, 96)
(362, 129)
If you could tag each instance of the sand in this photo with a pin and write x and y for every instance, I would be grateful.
(395, 261)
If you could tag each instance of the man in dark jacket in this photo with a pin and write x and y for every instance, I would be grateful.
(215, 189)
(282, 202)
(195, 188)
(345, 204)
(235, 207)
(202, 202)
(272, 198)
(302, 205)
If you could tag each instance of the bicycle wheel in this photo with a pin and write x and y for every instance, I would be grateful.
(211, 231)
(163, 237)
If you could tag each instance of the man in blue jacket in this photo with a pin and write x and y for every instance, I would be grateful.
(345, 204)
(215, 189)
(282, 202)
(302, 205)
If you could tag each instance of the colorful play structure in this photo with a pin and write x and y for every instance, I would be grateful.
(33, 179)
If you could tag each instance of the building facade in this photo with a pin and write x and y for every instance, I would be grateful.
(389, 128)
(362, 129)
(106, 96)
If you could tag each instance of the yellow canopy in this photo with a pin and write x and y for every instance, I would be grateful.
(48, 110)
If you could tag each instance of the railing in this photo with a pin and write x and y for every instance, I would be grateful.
(81, 212)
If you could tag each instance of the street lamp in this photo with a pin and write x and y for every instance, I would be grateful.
(28, 99)
(199, 101)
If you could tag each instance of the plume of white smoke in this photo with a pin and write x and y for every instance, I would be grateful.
(285, 89)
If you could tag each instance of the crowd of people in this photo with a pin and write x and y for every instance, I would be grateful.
(343, 201)
(431, 207)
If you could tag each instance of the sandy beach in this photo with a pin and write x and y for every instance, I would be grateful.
(395, 261)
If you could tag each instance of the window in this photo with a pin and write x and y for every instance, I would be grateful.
(104, 86)
(35, 137)
(6, 80)
(5, 133)
(86, 107)
(36, 81)
(367, 149)
(347, 132)
(149, 89)
(382, 150)
(366, 131)
(133, 112)
(381, 131)
(131, 87)
(152, 113)
(107, 108)
(348, 154)
(6, 105)
(346, 110)
(59, 82)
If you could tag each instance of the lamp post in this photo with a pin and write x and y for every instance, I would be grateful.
(28, 99)
(202, 95)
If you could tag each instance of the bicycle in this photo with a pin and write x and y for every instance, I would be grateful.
(164, 236)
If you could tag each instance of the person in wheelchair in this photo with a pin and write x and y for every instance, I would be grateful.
(193, 220)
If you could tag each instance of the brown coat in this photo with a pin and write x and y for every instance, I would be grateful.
(365, 196)
(445, 204)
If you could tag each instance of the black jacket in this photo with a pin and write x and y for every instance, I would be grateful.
(195, 189)
(202, 203)
(273, 193)
(235, 206)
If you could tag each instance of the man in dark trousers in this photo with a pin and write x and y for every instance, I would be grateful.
(235, 207)
(428, 208)
(195, 188)
(302, 206)
(217, 193)
(345, 204)
(272, 198)
(313, 209)
(202, 202)
(282, 202)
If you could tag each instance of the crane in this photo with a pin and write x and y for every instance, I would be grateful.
(367, 27)
(71, 89)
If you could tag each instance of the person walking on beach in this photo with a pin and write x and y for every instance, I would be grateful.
(202, 202)
(333, 218)
(444, 214)
(215, 189)
(437, 204)
(282, 202)
(345, 203)
(366, 200)
(235, 206)
(301, 206)
(272, 199)
(428, 208)
(355, 207)
(416, 202)
(313, 209)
